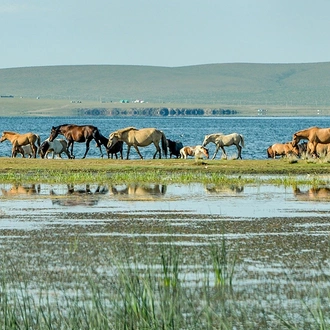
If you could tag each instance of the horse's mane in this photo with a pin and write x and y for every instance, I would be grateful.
(9, 132)
(127, 129)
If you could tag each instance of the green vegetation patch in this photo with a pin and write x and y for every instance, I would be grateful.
(167, 171)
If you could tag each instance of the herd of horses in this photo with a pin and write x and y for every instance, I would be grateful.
(29, 143)
(317, 145)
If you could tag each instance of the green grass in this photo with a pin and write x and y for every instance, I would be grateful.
(281, 172)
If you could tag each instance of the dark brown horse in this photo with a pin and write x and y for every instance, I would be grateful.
(113, 150)
(76, 133)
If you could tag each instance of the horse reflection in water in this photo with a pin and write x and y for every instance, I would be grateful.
(18, 190)
(79, 195)
(230, 189)
(138, 192)
(312, 194)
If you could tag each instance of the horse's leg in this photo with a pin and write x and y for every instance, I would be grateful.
(313, 150)
(99, 146)
(87, 148)
(157, 150)
(239, 149)
(138, 151)
(34, 150)
(128, 150)
(224, 152)
(216, 151)
(67, 152)
(70, 143)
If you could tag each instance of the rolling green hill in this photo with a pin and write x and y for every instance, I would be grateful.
(235, 85)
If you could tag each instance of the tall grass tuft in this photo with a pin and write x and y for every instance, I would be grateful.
(223, 268)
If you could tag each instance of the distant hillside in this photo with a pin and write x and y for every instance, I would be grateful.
(291, 84)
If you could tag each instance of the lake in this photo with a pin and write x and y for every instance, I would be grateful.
(56, 239)
(259, 132)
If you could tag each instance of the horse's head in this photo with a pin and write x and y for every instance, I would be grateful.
(206, 140)
(270, 152)
(295, 140)
(113, 139)
(53, 133)
(3, 138)
(43, 149)
(206, 152)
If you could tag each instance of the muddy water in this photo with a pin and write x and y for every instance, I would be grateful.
(279, 235)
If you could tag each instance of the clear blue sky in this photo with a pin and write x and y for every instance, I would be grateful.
(167, 33)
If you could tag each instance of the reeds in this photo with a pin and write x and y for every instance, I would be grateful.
(168, 292)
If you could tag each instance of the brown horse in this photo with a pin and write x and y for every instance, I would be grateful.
(282, 149)
(322, 149)
(18, 140)
(139, 138)
(314, 135)
(76, 133)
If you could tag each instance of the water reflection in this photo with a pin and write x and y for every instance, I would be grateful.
(138, 191)
(231, 200)
(220, 189)
(79, 195)
(19, 190)
(312, 194)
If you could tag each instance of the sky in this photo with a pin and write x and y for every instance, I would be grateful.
(168, 33)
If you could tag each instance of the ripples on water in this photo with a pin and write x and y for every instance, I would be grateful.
(259, 132)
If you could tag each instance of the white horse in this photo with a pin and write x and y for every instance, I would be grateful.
(222, 141)
(56, 146)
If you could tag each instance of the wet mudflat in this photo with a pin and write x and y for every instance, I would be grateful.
(278, 237)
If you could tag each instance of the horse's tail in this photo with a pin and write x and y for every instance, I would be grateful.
(242, 140)
(38, 140)
(164, 144)
(98, 137)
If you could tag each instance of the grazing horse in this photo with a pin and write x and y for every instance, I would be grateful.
(174, 147)
(222, 141)
(139, 138)
(76, 133)
(57, 147)
(18, 140)
(117, 147)
(314, 135)
(198, 152)
(282, 149)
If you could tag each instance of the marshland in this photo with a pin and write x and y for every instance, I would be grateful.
(170, 243)
(165, 243)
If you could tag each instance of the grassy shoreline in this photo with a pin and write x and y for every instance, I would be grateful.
(157, 171)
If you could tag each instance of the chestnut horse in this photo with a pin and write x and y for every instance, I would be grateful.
(139, 138)
(76, 133)
(282, 149)
(18, 140)
(197, 151)
(314, 135)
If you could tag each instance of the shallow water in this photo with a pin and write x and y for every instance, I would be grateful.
(279, 234)
(232, 201)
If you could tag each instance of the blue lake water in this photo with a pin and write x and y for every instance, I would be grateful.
(259, 132)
